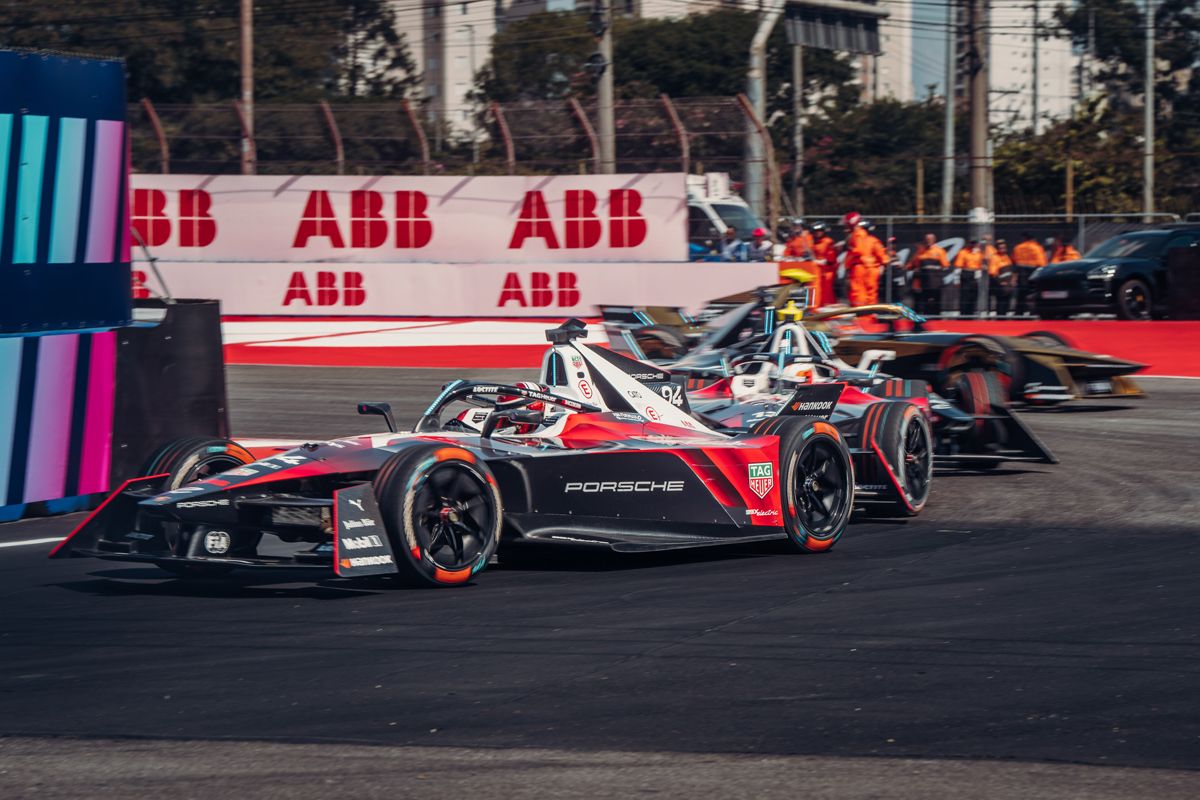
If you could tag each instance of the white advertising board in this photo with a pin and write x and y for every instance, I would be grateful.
(359, 220)
(452, 290)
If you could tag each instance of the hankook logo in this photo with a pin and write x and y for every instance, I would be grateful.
(644, 487)
(813, 405)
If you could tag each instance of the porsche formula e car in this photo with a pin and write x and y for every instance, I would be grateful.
(598, 456)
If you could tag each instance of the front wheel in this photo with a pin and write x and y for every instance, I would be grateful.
(441, 509)
(816, 480)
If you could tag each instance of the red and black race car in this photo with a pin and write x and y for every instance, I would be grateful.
(599, 457)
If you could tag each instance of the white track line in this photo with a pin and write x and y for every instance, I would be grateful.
(32, 541)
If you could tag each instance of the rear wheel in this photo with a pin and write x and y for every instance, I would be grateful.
(980, 394)
(441, 508)
(981, 354)
(900, 435)
(1133, 300)
(816, 480)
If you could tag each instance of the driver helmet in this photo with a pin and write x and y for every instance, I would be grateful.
(800, 372)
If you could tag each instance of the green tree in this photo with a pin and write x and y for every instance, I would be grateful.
(185, 53)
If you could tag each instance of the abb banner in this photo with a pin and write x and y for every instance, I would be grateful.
(453, 290)
(551, 219)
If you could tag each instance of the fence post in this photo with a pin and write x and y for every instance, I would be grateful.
(590, 132)
(502, 123)
(685, 147)
(422, 142)
(339, 153)
(164, 152)
(768, 156)
(250, 163)
(920, 190)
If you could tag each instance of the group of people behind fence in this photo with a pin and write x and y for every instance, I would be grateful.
(985, 276)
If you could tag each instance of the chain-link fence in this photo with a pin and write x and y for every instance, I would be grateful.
(694, 135)
(652, 135)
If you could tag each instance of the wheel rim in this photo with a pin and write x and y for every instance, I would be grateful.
(453, 516)
(915, 461)
(820, 487)
(1135, 300)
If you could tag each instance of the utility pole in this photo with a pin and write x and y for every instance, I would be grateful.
(798, 128)
(977, 76)
(247, 27)
(1037, 78)
(470, 29)
(756, 80)
(1148, 133)
(606, 129)
(948, 138)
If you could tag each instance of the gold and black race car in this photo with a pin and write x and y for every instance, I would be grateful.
(1037, 368)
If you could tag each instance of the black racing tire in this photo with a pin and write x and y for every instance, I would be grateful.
(981, 353)
(1134, 300)
(441, 508)
(659, 343)
(195, 458)
(1048, 339)
(816, 481)
(980, 393)
(900, 434)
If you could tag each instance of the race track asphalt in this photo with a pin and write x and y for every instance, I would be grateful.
(1033, 633)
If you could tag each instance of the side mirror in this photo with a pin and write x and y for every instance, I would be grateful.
(519, 416)
(382, 409)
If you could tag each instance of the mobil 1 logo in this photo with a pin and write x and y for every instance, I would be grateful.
(361, 545)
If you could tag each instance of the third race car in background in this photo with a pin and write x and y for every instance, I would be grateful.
(1038, 368)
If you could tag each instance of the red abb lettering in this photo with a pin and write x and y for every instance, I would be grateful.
(583, 227)
(140, 292)
(626, 226)
(568, 294)
(197, 228)
(318, 220)
(541, 290)
(351, 292)
(150, 216)
(413, 228)
(533, 223)
(368, 228)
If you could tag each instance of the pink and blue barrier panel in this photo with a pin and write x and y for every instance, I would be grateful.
(64, 275)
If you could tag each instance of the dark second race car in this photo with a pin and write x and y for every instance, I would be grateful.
(600, 457)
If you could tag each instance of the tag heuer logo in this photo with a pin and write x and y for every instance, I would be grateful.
(762, 479)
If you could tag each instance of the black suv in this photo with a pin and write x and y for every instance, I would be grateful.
(1126, 275)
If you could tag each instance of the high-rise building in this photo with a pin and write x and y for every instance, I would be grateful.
(1017, 86)
(892, 71)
